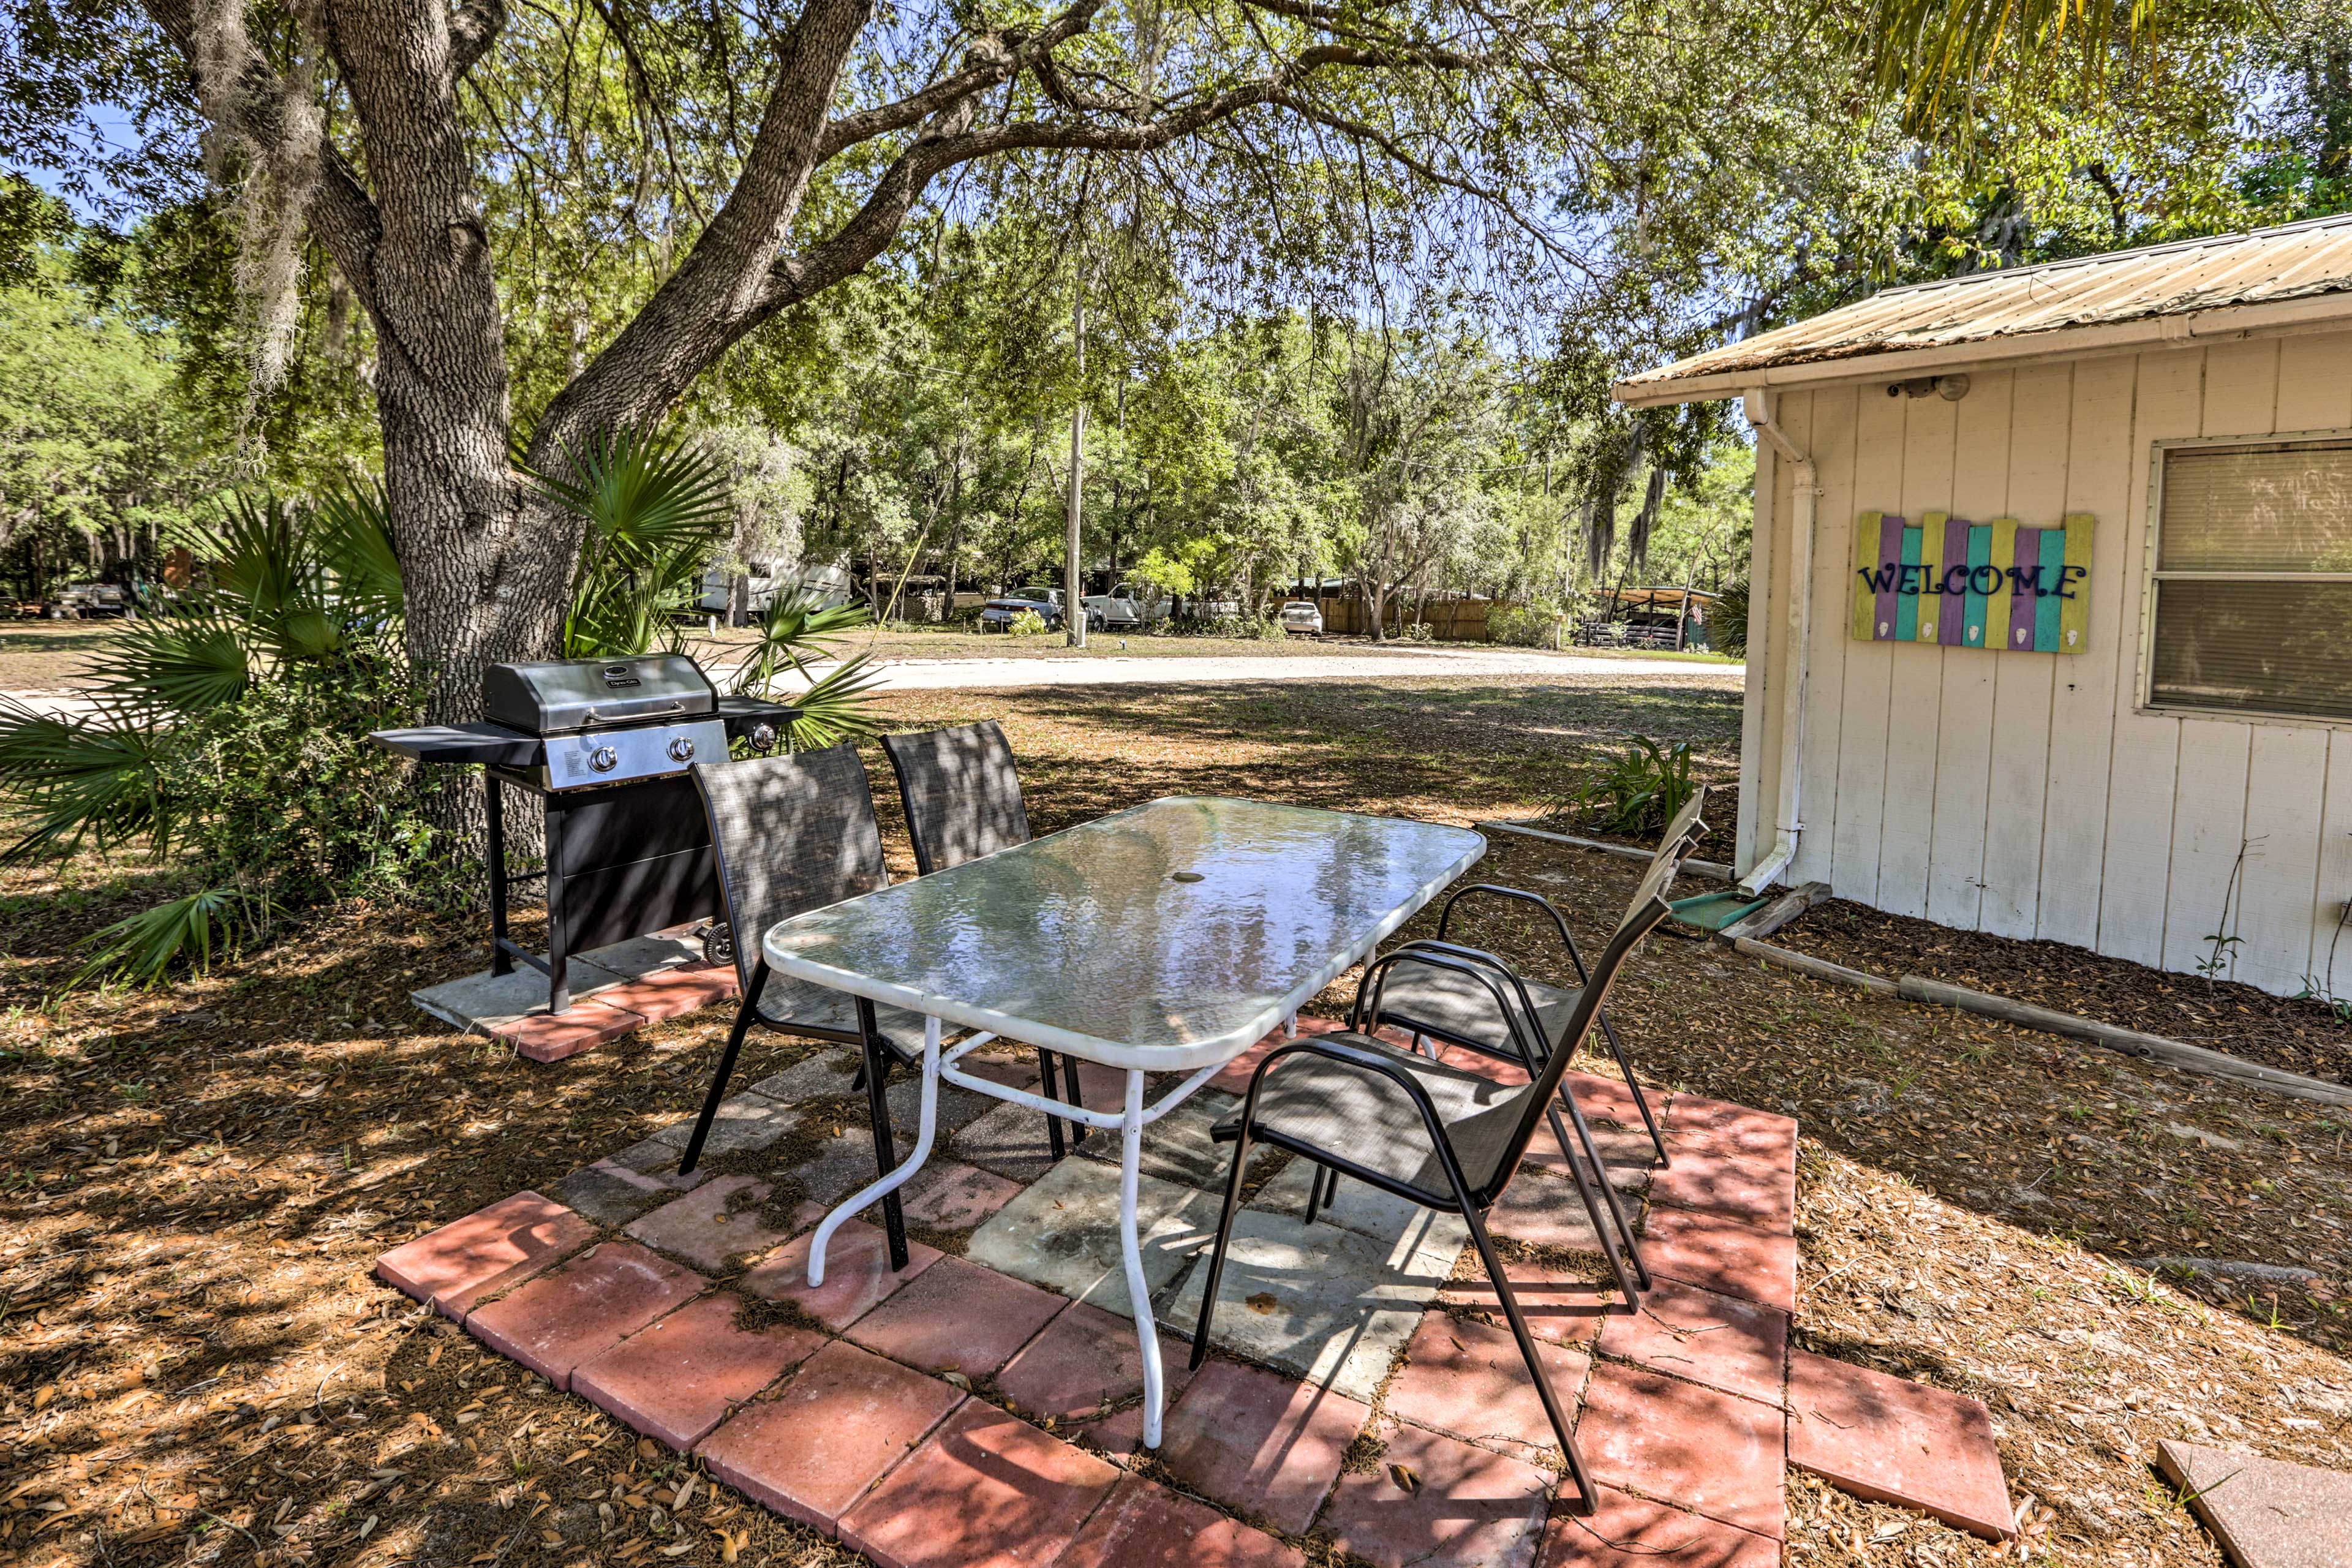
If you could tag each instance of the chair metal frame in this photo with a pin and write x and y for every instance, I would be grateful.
(1547, 1082)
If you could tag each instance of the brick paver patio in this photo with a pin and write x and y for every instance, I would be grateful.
(982, 1405)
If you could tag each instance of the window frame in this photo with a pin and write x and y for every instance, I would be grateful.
(2151, 575)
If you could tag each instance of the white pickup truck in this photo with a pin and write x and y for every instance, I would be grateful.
(1127, 607)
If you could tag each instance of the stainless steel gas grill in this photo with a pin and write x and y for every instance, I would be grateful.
(604, 744)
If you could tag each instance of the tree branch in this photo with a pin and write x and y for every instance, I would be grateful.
(473, 25)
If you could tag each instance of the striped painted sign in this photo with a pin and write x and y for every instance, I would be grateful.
(1999, 584)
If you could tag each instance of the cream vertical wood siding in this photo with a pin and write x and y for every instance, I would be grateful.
(2023, 794)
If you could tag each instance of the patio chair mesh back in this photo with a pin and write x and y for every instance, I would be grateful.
(791, 833)
(1682, 836)
(961, 792)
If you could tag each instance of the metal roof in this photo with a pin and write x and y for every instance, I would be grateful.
(2266, 279)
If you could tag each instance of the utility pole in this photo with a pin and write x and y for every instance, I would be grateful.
(1074, 609)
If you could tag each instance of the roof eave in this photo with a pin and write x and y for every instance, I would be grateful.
(2222, 324)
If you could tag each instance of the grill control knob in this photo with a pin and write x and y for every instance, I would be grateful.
(762, 736)
(681, 749)
(603, 760)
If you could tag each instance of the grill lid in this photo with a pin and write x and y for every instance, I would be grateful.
(565, 696)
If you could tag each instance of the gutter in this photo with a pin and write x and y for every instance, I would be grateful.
(1756, 403)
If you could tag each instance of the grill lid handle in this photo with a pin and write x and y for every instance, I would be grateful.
(670, 707)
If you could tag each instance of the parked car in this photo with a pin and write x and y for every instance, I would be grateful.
(1301, 616)
(88, 601)
(998, 613)
(1125, 607)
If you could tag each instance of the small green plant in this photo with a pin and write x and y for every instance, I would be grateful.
(1027, 624)
(1637, 791)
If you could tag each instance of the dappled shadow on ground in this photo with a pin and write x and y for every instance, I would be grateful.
(197, 1182)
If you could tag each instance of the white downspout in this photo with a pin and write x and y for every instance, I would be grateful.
(1756, 404)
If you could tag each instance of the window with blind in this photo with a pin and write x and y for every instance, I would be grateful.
(2253, 581)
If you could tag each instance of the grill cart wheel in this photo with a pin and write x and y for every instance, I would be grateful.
(719, 942)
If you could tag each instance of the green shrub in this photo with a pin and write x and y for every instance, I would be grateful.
(1027, 624)
(1635, 792)
(1532, 625)
(1727, 621)
(1265, 628)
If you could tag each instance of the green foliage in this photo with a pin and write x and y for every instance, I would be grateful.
(654, 509)
(1027, 624)
(1637, 791)
(186, 932)
(795, 630)
(1533, 624)
(1727, 621)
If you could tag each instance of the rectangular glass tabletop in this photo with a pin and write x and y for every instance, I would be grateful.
(1164, 937)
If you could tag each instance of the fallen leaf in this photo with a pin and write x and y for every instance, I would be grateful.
(1404, 1478)
(1264, 1302)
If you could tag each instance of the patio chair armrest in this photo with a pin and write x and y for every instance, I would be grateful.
(1500, 965)
(1375, 981)
(1495, 889)
(1355, 1057)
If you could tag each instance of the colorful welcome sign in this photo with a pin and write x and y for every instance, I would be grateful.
(1996, 585)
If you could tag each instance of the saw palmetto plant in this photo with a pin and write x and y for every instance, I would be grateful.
(795, 631)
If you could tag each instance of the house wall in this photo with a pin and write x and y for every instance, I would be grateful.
(2020, 792)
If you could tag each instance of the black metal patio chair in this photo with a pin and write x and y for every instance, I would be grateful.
(792, 834)
(1444, 1004)
(961, 792)
(1434, 1134)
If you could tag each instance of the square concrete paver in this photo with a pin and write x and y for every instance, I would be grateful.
(554, 1323)
(1178, 1148)
(1626, 1153)
(1147, 1526)
(1264, 1446)
(1009, 1140)
(1468, 1380)
(486, 1251)
(945, 1195)
(1063, 1233)
(1760, 1192)
(746, 1123)
(986, 1490)
(833, 1429)
(1431, 1499)
(1627, 1531)
(1738, 1346)
(1319, 1301)
(1369, 1212)
(721, 1227)
(676, 1379)
(1892, 1440)
(1705, 1450)
(619, 1187)
(956, 1316)
(857, 1273)
(484, 1001)
(1721, 1254)
(1083, 1377)
(2267, 1513)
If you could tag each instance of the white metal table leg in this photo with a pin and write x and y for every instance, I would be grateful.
(1290, 1027)
(1130, 1162)
(926, 1122)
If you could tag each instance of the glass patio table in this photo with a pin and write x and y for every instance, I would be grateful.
(1170, 937)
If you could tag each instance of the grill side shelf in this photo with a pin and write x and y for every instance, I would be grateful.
(492, 743)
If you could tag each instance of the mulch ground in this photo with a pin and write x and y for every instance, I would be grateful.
(195, 1366)
(2298, 1034)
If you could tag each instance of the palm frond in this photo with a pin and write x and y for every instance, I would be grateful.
(143, 948)
(837, 708)
(797, 627)
(653, 508)
(1932, 50)
(352, 538)
(180, 664)
(94, 778)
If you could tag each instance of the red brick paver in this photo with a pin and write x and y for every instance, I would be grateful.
(1236, 1077)
(1738, 1346)
(676, 1379)
(719, 1225)
(957, 1317)
(1544, 1210)
(1721, 1254)
(858, 1274)
(1760, 1191)
(946, 1195)
(1433, 1499)
(489, 1250)
(986, 1490)
(1468, 1380)
(560, 1320)
(1148, 1526)
(1733, 1129)
(1632, 1532)
(837, 1427)
(1086, 1363)
(1565, 1307)
(545, 1037)
(1265, 1446)
(1892, 1440)
(672, 992)
(1606, 1099)
(1706, 1450)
